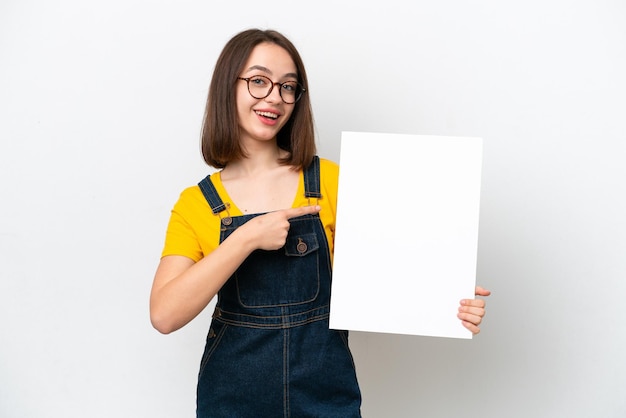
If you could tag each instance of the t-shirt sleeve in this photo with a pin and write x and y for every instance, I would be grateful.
(329, 186)
(181, 237)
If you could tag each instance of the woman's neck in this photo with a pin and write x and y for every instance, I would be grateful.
(257, 161)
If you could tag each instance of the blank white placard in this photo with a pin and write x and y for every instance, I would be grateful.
(406, 235)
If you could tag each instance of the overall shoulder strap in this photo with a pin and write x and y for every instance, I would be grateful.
(210, 194)
(312, 179)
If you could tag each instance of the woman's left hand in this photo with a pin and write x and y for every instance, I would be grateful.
(471, 311)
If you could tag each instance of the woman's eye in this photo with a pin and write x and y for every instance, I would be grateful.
(289, 86)
(258, 81)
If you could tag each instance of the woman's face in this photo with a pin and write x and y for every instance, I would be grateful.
(262, 119)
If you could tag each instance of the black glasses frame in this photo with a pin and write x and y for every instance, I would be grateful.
(301, 89)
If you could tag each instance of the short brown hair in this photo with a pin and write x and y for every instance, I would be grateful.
(220, 127)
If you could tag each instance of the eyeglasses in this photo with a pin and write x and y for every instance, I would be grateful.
(260, 87)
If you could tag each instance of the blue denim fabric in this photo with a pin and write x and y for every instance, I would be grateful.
(269, 351)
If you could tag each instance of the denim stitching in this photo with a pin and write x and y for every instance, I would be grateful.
(286, 412)
(211, 350)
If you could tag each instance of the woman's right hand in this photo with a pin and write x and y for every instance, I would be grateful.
(270, 229)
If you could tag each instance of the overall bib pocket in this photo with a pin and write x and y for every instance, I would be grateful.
(291, 274)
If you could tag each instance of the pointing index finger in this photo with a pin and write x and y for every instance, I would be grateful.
(303, 210)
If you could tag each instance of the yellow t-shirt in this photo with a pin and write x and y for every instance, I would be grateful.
(194, 231)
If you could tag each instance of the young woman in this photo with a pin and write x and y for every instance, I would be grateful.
(259, 234)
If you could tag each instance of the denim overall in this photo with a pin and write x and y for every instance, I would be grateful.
(269, 351)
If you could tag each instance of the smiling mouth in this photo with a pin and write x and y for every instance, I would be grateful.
(269, 115)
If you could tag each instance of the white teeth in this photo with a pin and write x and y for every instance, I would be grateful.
(268, 114)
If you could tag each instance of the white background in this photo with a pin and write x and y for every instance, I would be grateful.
(100, 112)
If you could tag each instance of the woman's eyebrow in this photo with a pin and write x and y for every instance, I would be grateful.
(260, 68)
(268, 71)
